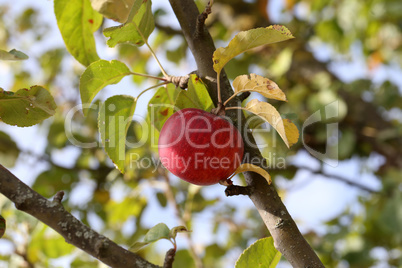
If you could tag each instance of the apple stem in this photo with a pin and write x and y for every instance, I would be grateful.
(145, 90)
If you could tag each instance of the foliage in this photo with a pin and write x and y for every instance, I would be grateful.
(26, 107)
(123, 206)
(77, 22)
(159, 231)
(252, 255)
(12, 55)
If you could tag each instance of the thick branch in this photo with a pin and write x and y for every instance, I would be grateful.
(53, 214)
(287, 237)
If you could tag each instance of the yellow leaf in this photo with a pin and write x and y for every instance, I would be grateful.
(256, 83)
(246, 40)
(269, 114)
(253, 168)
(292, 133)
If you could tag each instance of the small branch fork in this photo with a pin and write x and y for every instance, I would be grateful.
(232, 190)
(58, 197)
(179, 81)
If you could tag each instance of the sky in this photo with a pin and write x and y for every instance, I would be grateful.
(310, 199)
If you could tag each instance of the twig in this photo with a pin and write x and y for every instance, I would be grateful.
(74, 231)
(179, 81)
(244, 96)
(168, 30)
(169, 258)
(24, 255)
(201, 20)
(339, 178)
(237, 190)
(58, 197)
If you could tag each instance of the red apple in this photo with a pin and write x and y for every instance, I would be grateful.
(200, 147)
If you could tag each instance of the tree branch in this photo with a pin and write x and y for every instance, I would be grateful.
(339, 178)
(53, 214)
(287, 237)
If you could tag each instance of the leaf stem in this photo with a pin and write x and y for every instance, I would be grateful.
(236, 107)
(145, 90)
(231, 97)
(219, 86)
(152, 52)
(149, 76)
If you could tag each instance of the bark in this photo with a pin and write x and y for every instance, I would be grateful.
(287, 237)
(53, 214)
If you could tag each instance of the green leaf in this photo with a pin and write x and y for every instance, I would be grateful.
(159, 231)
(287, 130)
(8, 150)
(161, 199)
(117, 10)
(57, 137)
(2, 226)
(77, 22)
(26, 107)
(250, 167)
(114, 119)
(246, 40)
(196, 96)
(260, 254)
(177, 229)
(46, 243)
(257, 83)
(161, 105)
(12, 55)
(137, 30)
(213, 256)
(119, 212)
(282, 63)
(55, 179)
(182, 259)
(98, 75)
